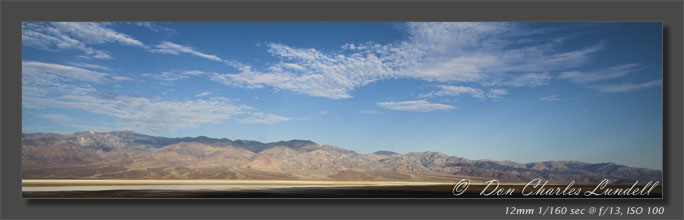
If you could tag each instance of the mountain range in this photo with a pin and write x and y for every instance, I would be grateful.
(129, 155)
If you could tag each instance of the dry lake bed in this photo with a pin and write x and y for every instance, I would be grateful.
(257, 189)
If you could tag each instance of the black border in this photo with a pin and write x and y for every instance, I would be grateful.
(12, 13)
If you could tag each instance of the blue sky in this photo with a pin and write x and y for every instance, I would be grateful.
(524, 92)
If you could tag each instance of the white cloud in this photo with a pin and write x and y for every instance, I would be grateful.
(530, 79)
(173, 75)
(49, 38)
(122, 78)
(205, 93)
(496, 93)
(90, 66)
(468, 52)
(56, 117)
(145, 114)
(522, 80)
(444, 37)
(461, 69)
(47, 85)
(447, 90)
(626, 87)
(598, 79)
(318, 85)
(442, 52)
(600, 74)
(41, 78)
(478, 52)
(96, 54)
(293, 66)
(548, 58)
(418, 105)
(175, 49)
(154, 26)
(55, 36)
(194, 72)
(261, 118)
(86, 127)
(551, 98)
(323, 112)
(369, 112)
(95, 33)
(33, 70)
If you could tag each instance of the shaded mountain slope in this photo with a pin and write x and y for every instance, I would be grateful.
(128, 155)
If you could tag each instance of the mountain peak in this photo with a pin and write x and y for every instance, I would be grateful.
(293, 159)
(384, 152)
(297, 142)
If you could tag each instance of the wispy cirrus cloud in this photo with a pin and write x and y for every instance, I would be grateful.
(318, 85)
(89, 66)
(54, 36)
(496, 93)
(369, 112)
(521, 80)
(550, 98)
(603, 80)
(122, 78)
(600, 74)
(474, 53)
(262, 118)
(154, 26)
(448, 90)
(56, 117)
(416, 105)
(167, 47)
(47, 85)
(40, 71)
(95, 33)
(145, 114)
(175, 49)
(205, 93)
(626, 87)
(173, 75)
(67, 121)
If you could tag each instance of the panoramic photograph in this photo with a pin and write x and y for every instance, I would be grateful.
(342, 110)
